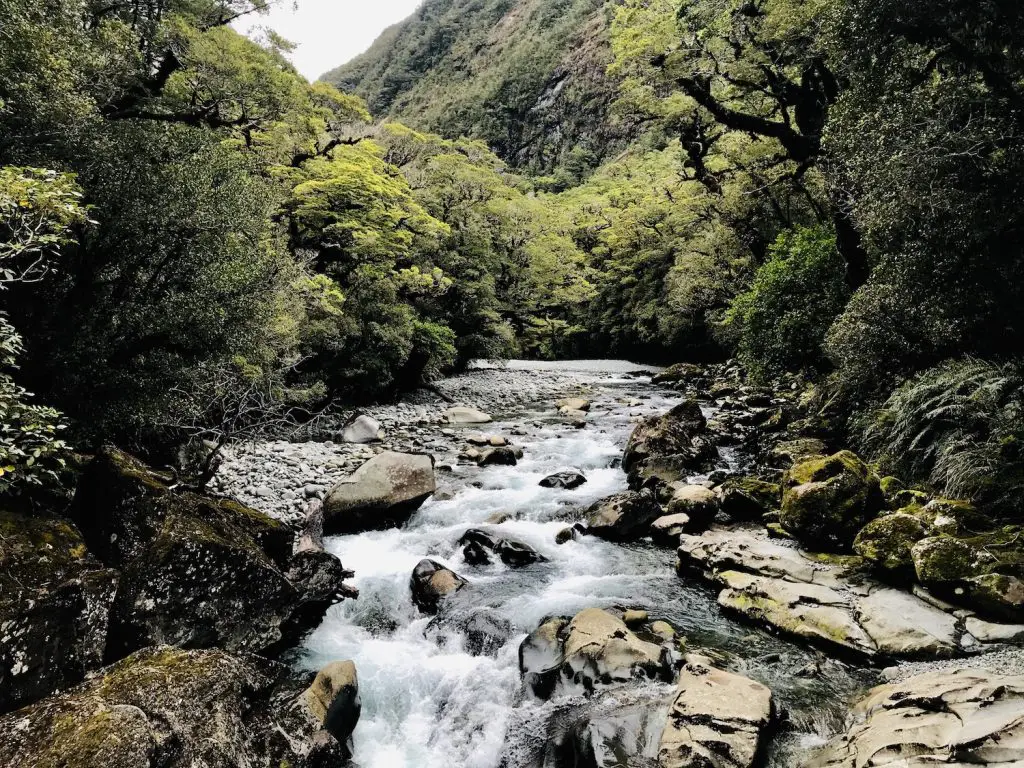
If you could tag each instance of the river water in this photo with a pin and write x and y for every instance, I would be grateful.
(428, 703)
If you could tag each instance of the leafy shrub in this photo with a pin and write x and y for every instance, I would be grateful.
(959, 427)
(793, 299)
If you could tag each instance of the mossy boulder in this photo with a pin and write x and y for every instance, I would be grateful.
(946, 561)
(954, 517)
(664, 449)
(55, 600)
(826, 500)
(171, 708)
(197, 572)
(998, 595)
(886, 542)
(748, 498)
(679, 372)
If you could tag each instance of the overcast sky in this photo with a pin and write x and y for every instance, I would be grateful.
(330, 32)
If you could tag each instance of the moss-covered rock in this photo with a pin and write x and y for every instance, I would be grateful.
(748, 498)
(826, 500)
(196, 571)
(886, 541)
(998, 595)
(946, 561)
(679, 372)
(954, 517)
(171, 708)
(55, 600)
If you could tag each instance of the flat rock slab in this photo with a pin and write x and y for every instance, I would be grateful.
(962, 717)
(717, 719)
(771, 583)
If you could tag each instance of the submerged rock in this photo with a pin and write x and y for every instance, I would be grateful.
(55, 600)
(431, 583)
(717, 719)
(624, 516)
(382, 493)
(172, 708)
(959, 716)
(827, 500)
(195, 571)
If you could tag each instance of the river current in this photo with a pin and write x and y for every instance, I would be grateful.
(428, 703)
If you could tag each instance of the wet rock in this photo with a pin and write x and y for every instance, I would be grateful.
(333, 701)
(485, 630)
(748, 498)
(568, 480)
(663, 449)
(172, 708)
(363, 429)
(667, 528)
(541, 656)
(502, 456)
(624, 516)
(475, 553)
(462, 415)
(717, 719)
(605, 733)
(700, 504)
(960, 716)
(517, 554)
(886, 542)
(195, 571)
(567, 534)
(827, 500)
(663, 630)
(478, 544)
(573, 404)
(55, 601)
(431, 583)
(382, 493)
(634, 617)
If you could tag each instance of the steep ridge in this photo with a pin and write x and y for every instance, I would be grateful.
(526, 76)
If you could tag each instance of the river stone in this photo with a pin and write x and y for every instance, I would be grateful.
(999, 595)
(55, 601)
(954, 517)
(333, 701)
(580, 404)
(171, 708)
(624, 516)
(605, 732)
(950, 717)
(827, 500)
(196, 571)
(463, 415)
(679, 372)
(717, 719)
(363, 429)
(501, 456)
(663, 449)
(788, 452)
(886, 542)
(748, 498)
(667, 529)
(382, 493)
(700, 504)
(568, 480)
(431, 583)
(541, 656)
(946, 561)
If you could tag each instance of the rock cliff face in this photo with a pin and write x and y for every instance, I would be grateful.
(526, 76)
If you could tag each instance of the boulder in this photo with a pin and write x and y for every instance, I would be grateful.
(485, 631)
(382, 493)
(624, 516)
(667, 529)
(827, 500)
(789, 452)
(604, 732)
(172, 708)
(462, 415)
(951, 717)
(663, 449)
(886, 542)
(946, 561)
(679, 372)
(500, 456)
(700, 504)
(747, 498)
(478, 545)
(953, 517)
(573, 404)
(55, 601)
(333, 701)
(568, 480)
(595, 648)
(197, 572)
(717, 719)
(998, 595)
(362, 429)
(431, 583)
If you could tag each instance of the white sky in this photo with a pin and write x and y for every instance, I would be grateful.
(330, 32)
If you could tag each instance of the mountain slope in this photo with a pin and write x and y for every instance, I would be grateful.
(526, 76)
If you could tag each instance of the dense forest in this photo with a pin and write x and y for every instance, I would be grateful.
(199, 242)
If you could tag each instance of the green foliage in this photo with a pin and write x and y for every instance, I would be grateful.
(959, 427)
(793, 299)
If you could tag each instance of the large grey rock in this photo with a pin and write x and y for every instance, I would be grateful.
(700, 504)
(55, 601)
(171, 708)
(717, 719)
(463, 415)
(664, 449)
(624, 516)
(961, 717)
(382, 493)
(363, 429)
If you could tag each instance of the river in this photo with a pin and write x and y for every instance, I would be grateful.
(428, 703)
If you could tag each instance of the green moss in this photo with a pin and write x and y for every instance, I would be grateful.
(886, 541)
(945, 560)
